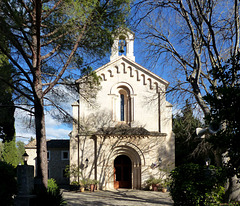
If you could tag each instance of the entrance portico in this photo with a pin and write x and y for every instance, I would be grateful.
(127, 166)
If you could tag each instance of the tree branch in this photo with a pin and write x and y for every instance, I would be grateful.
(79, 38)
(50, 53)
(17, 65)
(17, 89)
(18, 107)
(51, 10)
(236, 15)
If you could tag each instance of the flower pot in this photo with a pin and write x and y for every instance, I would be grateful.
(164, 189)
(92, 187)
(82, 189)
(154, 187)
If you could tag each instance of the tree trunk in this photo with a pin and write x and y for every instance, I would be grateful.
(42, 165)
(232, 190)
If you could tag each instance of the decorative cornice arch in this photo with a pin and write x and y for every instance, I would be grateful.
(115, 88)
(129, 149)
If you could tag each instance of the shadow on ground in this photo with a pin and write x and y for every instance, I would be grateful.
(118, 197)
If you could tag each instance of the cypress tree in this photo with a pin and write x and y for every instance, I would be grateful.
(9, 153)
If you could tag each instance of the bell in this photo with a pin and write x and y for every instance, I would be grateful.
(121, 49)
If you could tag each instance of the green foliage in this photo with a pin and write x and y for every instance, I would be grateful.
(95, 182)
(10, 153)
(7, 128)
(48, 39)
(73, 171)
(193, 184)
(20, 151)
(215, 196)
(152, 181)
(1, 150)
(50, 196)
(74, 186)
(85, 182)
(184, 127)
(224, 101)
(166, 183)
(8, 183)
(52, 185)
(74, 183)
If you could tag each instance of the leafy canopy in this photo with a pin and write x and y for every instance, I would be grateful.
(184, 127)
(224, 101)
(56, 36)
(7, 129)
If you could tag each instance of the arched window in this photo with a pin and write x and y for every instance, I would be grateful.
(124, 105)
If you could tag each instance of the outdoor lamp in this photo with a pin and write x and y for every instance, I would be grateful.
(86, 162)
(25, 158)
(208, 161)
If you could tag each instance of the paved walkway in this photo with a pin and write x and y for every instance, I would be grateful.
(118, 197)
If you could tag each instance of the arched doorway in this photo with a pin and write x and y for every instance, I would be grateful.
(122, 172)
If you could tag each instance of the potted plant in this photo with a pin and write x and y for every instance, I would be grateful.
(82, 189)
(95, 182)
(165, 184)
(154, 183)
(74, 186)
(91, 184)
(83, 184)
(73, 173)
(164, 189)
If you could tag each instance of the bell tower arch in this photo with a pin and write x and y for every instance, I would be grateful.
(123, 44)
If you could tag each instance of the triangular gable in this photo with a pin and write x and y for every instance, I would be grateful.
(132, 64)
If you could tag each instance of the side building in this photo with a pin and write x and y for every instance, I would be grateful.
(58, 159)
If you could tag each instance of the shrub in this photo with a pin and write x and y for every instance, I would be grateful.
(52, 185)
(74, 186)
(75, 183)
(8, 183)
(193, 184)
(50, 196)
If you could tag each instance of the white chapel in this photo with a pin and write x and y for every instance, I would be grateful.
(123, 136)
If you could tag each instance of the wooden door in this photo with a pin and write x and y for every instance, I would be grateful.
(122, 172)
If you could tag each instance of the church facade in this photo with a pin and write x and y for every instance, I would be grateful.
(123, 136)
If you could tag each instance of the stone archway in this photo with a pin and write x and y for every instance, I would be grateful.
(135, 161)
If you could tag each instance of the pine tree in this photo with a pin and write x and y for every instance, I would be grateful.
(7, 109)
(224, 101)
(184, 127)
(1, 150)
(49, 39)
